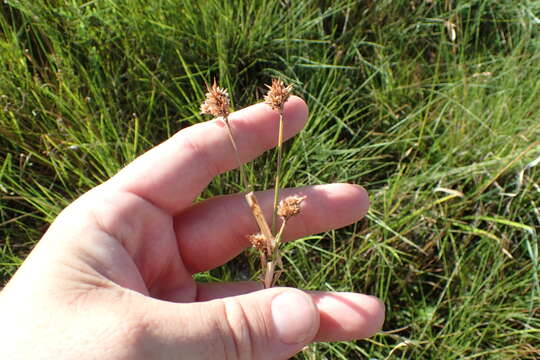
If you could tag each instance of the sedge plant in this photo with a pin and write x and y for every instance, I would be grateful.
(269, 238)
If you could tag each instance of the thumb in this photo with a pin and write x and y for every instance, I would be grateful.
(268, 324)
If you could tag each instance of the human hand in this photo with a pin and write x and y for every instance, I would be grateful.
(112, 277)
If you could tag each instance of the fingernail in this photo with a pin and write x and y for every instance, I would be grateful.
(294, 317)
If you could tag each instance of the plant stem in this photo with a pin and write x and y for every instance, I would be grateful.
(279, 234)
(247, 186)
(261, 221)
(270, 275)
(272, 243)
(267, 266)
(278, 168)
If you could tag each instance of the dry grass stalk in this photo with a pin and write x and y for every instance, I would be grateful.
(276, 97)
(261, 220)
(217, 104)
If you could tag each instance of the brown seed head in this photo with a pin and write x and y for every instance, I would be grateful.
(290, 206)
(258, 241)
(217, 101)
(277, 94)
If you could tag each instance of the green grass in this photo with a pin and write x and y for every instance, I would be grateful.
(441, 134)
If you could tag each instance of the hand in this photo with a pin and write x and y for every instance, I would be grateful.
(112, 277)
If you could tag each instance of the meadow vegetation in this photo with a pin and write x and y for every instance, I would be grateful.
(433, 106)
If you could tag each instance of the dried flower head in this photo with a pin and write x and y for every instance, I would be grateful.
(290, 206)
(277, 94)
(258, 241)
(217, 101)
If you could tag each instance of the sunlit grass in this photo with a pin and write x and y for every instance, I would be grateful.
(443, 134)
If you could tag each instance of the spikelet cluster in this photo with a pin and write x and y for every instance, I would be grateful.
(217, 101)
(259, 242)
(290, 206)
(277, 94)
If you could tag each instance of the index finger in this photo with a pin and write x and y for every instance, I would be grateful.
(172, 174)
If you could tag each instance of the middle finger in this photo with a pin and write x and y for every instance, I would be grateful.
(214, 231)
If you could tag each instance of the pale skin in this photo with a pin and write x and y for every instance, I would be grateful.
(112, 276)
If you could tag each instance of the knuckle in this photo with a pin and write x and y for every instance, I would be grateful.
(203, 157)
